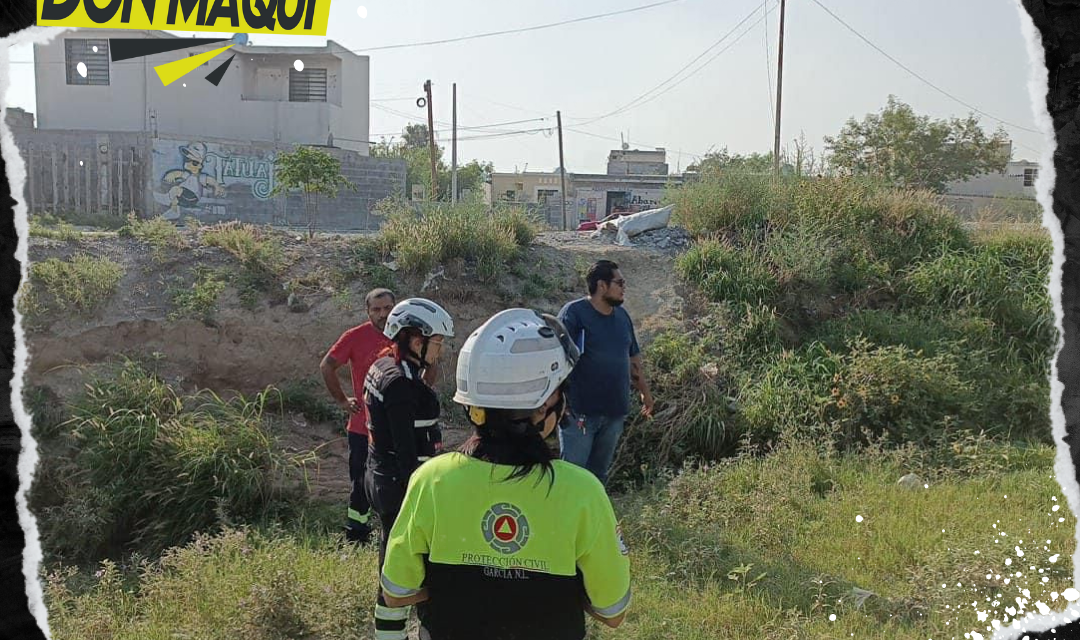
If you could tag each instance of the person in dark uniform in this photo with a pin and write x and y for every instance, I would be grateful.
(531, 539)
(403, 424)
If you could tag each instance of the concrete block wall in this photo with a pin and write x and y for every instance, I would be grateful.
(211, 180)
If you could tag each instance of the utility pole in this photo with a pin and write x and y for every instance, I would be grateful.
(562, 172)
(431, 142)
(779, 91)
(453, 154)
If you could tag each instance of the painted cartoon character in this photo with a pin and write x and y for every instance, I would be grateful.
(186, 186)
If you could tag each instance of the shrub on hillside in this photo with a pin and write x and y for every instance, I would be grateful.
(81, 284)
(157, 232)
(991, 281)
(726, 272)
(896, 393)
(259, 252)
(785, 397)
(723, 202)
(491, 239)
(47, 226)
(153, 467)
(242, 584)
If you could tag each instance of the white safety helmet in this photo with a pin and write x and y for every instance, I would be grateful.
(421, 313)
(514, 361)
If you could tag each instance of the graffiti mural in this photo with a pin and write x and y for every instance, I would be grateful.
(198, 178)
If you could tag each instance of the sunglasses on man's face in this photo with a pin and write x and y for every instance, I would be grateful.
(620, 282)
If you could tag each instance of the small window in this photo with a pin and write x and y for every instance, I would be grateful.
(1030, 175)
(542, 195)
(92, 52)
(308, 85)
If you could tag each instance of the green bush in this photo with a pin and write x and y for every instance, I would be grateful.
(724, 202)
(47, 226)
(445, 232)
(260, 254)
(784, 399)
(992, 281)
(725, 272)
(154, 467)
(897, 393)
(81, 284)
(105, 221)
(200, 299)
(158, 232)
(239, 584)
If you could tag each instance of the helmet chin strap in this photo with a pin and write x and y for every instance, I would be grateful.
(422, 356)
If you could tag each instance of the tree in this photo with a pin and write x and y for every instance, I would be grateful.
(915, 151)
(313, 171)
(413, 148)
(721, 161)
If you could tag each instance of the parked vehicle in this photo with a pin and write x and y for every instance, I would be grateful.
(592, 225)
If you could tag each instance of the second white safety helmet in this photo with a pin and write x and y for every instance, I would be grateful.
(422, 314)
(514, 361)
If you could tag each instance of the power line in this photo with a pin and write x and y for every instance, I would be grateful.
(924, 80)
(602, 137)
(510, 106)
(488, 128)
(519, 30)
(642, 99)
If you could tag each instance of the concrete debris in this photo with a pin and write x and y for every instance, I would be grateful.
(431, 277)
(668, 239)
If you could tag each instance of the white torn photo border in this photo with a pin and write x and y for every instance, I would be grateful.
(1063, 467)
(1042, 617)
(28, 455)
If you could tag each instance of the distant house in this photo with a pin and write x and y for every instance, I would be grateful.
(1017, 180)
(1010, 192)
(112, 137)
(635, 181)
(261, 97)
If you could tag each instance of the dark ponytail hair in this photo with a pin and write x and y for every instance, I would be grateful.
(400, 345)
(509, 439)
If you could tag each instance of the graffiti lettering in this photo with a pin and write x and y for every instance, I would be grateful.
(259, 172)
(198, 177)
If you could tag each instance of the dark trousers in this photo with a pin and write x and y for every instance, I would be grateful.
(386, 497)
(358, 522)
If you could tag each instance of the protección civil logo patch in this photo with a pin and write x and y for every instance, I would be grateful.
(505, 528)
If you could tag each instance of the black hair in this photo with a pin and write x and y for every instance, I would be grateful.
(507, 438)
(603, 270)
(401, 344)
(378, 293)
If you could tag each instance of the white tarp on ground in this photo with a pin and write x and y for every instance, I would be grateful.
(640, 222)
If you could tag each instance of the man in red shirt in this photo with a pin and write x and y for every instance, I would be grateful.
(359, 346)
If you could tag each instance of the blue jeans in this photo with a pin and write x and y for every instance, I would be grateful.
(594, 446)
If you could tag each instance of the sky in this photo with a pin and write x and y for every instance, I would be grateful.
(971, 49)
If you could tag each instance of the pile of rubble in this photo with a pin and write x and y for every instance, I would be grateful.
(668, 239)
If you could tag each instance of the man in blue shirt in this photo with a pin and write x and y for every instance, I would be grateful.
(610, 363)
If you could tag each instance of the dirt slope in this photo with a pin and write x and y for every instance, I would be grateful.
(247, 350)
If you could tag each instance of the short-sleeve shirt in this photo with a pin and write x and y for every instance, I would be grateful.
(359, 346)
(600, 383)
(531, 559)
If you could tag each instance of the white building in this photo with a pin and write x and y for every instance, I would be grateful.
(1017, 180)
(260, 98)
